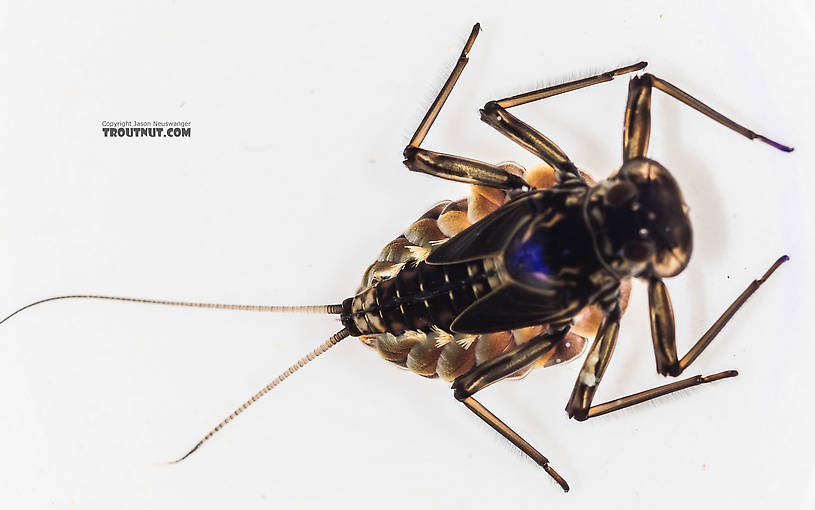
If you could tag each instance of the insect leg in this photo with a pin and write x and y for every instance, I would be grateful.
(509, 363)
(663, 327)
(595, 365)
(444, 93)
(495, 114)
(643, 396)
(456, 168)
(579, 406)
(514, 438)
(498, 368)
(699, 106)
(535, 95)
(637, 127)
(448, 166)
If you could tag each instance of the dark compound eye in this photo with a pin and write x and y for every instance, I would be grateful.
(620, 193)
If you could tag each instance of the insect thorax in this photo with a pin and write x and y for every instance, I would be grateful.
(407, 307)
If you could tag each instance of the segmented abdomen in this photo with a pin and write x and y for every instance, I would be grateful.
(419, 297)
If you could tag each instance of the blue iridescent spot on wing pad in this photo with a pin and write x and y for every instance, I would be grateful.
(526, 259)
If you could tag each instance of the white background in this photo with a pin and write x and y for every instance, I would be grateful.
(289, 186)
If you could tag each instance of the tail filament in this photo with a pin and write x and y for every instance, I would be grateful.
(331, 342)
(315, 309)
